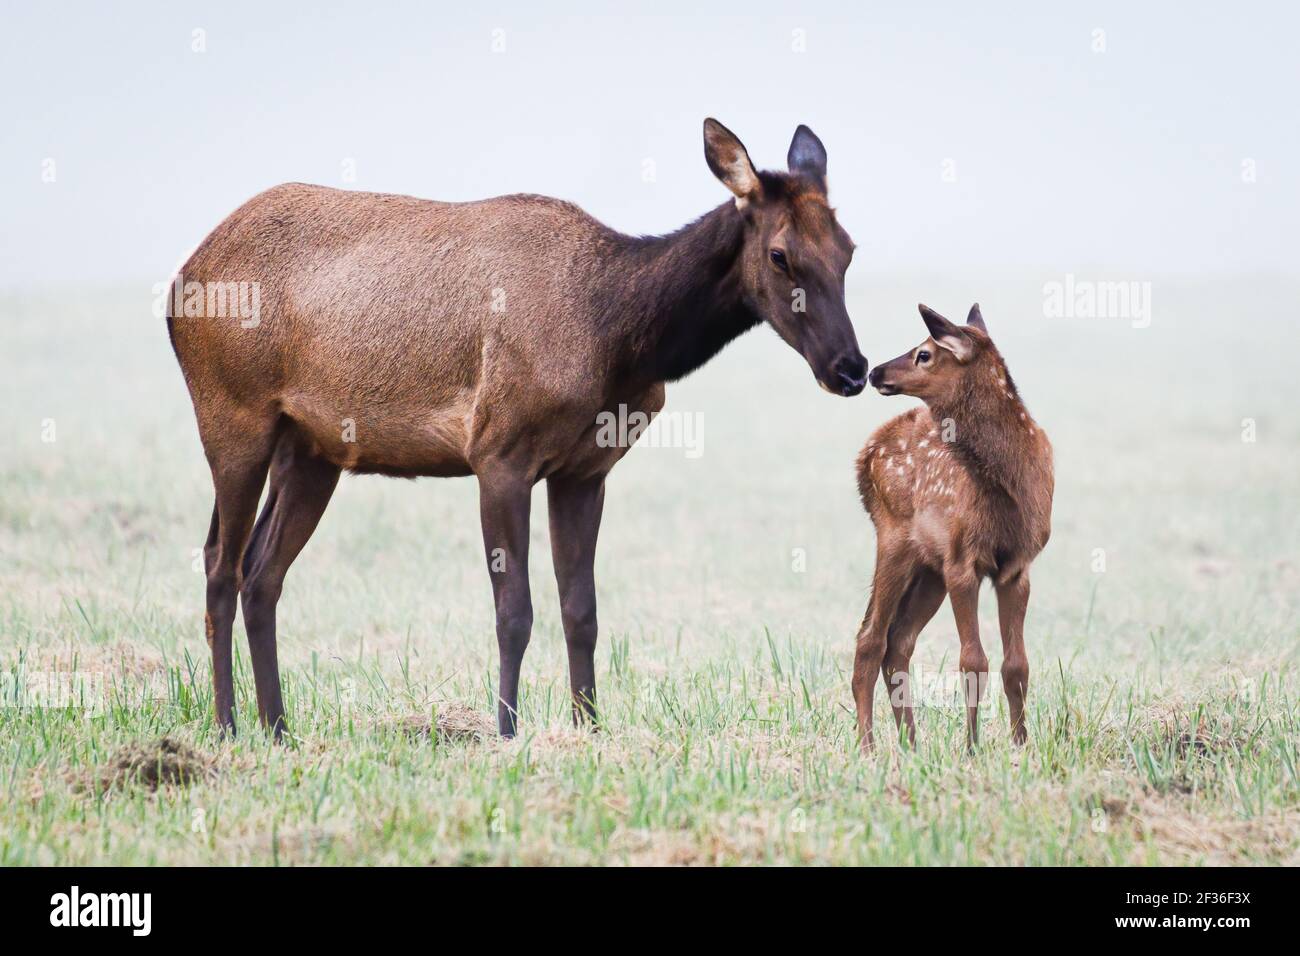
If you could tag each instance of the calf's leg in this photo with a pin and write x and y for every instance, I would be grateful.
(1013, 599)
(893, 574)
(963, 590)
(920, 603)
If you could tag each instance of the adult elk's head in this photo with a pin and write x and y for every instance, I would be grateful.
(795, 253)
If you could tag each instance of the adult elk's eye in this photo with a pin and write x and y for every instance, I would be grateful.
(779, 260)
(922, 356)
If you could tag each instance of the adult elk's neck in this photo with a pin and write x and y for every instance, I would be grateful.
(677, 298)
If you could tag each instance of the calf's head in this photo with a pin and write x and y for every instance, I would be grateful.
(941, 367)
(795, 254)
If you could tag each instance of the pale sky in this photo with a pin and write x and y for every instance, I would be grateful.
(965, 140)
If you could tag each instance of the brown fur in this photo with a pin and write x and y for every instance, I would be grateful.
(408, 337)
(959, 490)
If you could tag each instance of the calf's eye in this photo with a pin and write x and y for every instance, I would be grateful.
(778, 260)
(922, 356)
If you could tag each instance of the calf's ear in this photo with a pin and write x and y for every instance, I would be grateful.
(945, 334)
(976, 319)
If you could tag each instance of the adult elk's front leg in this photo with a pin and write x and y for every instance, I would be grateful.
(575, 509)
(504, 501)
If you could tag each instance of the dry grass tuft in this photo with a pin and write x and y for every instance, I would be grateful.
(452, 721)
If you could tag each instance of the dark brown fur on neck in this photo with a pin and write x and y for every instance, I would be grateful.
(677, 298)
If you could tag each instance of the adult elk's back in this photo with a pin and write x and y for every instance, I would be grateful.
(407, 337)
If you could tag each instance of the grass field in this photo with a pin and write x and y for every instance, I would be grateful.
(1162, 631)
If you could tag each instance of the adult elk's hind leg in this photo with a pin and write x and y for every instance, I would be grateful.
(504, 502)
(1013, 599)
(575, 508)
(239, 454)
(301, 487)
(919, 605)
(893, 574)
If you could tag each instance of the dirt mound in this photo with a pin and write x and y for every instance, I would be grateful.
(163, 762)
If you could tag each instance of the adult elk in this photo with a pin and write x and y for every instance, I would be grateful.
(407, 337)
(959, 489)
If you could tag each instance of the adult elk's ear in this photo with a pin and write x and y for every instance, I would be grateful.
(807, 156)
(727, 157)
(976, 319)
(945, 334)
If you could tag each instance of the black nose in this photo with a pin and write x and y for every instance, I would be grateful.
(875, 377)
(852, 373)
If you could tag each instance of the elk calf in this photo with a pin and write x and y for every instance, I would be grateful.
(959, 490)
